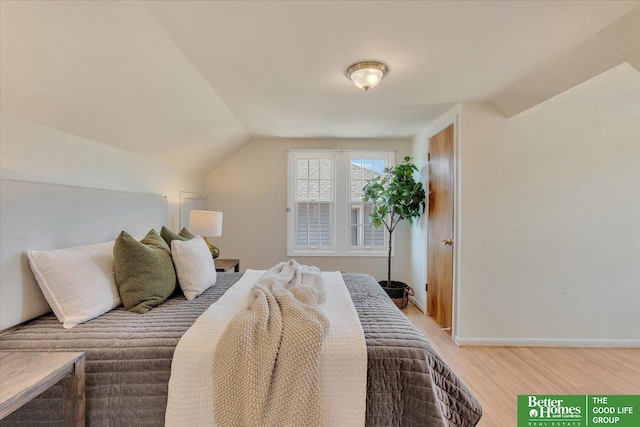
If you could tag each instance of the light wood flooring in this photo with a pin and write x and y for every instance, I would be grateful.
(496, 375)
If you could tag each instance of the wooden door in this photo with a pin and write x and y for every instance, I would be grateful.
(440, 228)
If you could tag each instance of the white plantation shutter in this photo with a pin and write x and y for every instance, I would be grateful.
(326, 214)
(314, 194)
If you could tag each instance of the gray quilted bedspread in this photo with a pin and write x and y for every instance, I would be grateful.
(129, 363)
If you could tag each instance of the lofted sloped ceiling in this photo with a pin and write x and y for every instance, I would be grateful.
(280, 66)
(614, 93)
(188, 82)
(618, 43)
(106, 71)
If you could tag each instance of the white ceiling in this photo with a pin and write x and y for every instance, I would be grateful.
(280, 66)
(614, 93)
(106, 71)
(188, 82)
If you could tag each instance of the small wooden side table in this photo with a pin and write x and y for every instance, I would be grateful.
(26, 374)
(224, 265)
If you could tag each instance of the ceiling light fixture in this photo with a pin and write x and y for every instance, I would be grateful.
(367, 74)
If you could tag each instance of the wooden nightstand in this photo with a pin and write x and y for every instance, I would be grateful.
(224, 265)
(26, 374)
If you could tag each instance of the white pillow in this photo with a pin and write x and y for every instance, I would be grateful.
(194, 266)
(78, 283)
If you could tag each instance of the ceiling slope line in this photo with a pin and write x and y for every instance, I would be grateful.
(195, 68)
(615, 44)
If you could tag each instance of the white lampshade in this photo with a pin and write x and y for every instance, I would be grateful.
(205, 223)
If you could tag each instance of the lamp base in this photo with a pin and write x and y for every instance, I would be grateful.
(215, 252)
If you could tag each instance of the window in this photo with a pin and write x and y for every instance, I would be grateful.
(326, 214)
(363, 236)
(313, 201)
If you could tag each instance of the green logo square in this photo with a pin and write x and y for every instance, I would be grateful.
(578, 410)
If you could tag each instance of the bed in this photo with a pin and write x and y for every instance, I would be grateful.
(129, 355)
(129, 363)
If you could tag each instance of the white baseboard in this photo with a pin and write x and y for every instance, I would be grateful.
(418, 304)
(546, 342)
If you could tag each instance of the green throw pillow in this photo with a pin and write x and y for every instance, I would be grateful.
(169, 236)
(143, 270)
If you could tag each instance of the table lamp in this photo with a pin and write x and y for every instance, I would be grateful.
(206, 224)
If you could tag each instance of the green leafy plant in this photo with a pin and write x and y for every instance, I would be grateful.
(395, 195)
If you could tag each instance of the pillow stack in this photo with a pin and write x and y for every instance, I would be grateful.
(83, 282)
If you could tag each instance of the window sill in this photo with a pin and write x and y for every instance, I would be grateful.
(361, 254)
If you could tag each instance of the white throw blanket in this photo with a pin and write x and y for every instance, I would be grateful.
(271, 347)
(343, 358)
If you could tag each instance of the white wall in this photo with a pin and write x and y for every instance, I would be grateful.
(251, 190)
(419, 150)
(33, 152)
(550, 216)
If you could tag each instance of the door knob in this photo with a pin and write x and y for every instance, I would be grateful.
(447, 242)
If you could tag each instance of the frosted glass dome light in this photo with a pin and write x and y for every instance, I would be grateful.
(368, 74)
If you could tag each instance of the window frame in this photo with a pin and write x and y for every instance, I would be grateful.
(388, 161)
(341, 205)
(292, 248)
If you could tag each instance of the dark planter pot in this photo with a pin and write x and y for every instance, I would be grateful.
(395, 290)
(398, 291)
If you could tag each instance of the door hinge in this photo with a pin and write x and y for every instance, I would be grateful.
(428, 157)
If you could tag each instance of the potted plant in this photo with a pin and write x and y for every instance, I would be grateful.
(396, 196)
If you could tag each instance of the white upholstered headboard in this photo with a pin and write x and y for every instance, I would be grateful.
(49, 216)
